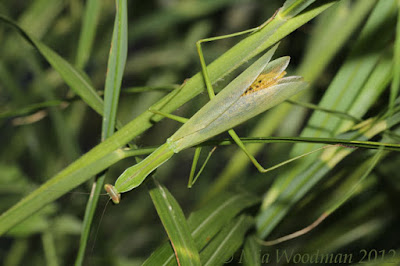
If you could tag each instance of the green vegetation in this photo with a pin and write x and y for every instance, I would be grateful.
(85, 86)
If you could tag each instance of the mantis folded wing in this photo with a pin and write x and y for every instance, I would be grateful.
(258, 88)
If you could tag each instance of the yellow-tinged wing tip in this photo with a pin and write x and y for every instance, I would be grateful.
(113, 193)
(264, 81)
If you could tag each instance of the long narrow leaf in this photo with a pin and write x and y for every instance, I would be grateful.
(207, 222)
(72, 76)
(395, 88)
(251, 252)
(350, 80)
(115, 69)
(175, 224)
(222, 248)
(272, 211)
(88, 31)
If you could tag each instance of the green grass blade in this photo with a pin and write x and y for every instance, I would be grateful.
(88, 32)
(350, 80)
(352, 186)
(10, 85)
(364, 170)
(49, 249)
(40, 16)
(73, 77)
(179, 12)
(223, 246)
(294, 186)
(367, 209)
(175, 224)
(17, 252)
(115, 69)
(90, 209)
(164, 255)
(206, 222)
(292, 7)
(394, 89)
(333, 30)
(36, 224)
(165, 88)
(251, 252)
(29, 109)
(372, 90)
(361, 223)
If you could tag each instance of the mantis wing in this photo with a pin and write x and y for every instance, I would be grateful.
(222, 102)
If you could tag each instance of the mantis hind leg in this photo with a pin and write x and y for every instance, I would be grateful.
(204, 71)
(207, 81)
(211, 95)
(192, 177)
(259, 167)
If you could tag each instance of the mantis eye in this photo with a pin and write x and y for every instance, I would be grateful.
(264, 81)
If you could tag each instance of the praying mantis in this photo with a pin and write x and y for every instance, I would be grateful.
(258, 88)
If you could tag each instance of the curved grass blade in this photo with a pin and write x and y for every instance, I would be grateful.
(72, 76)
(352, 76)
(29, 109)
(272, 212)
(210, 219)
(333, 29)
(360, 173)
(37, 107)
(16, 253)
(293, 185)
(395, 86)
(49, 248)
(179, 12)
(251, 252)
(115, 69)
(175, 224)
(88, 32)
(39, 17)
(292, 7)
(206, 222)
(223, 246)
